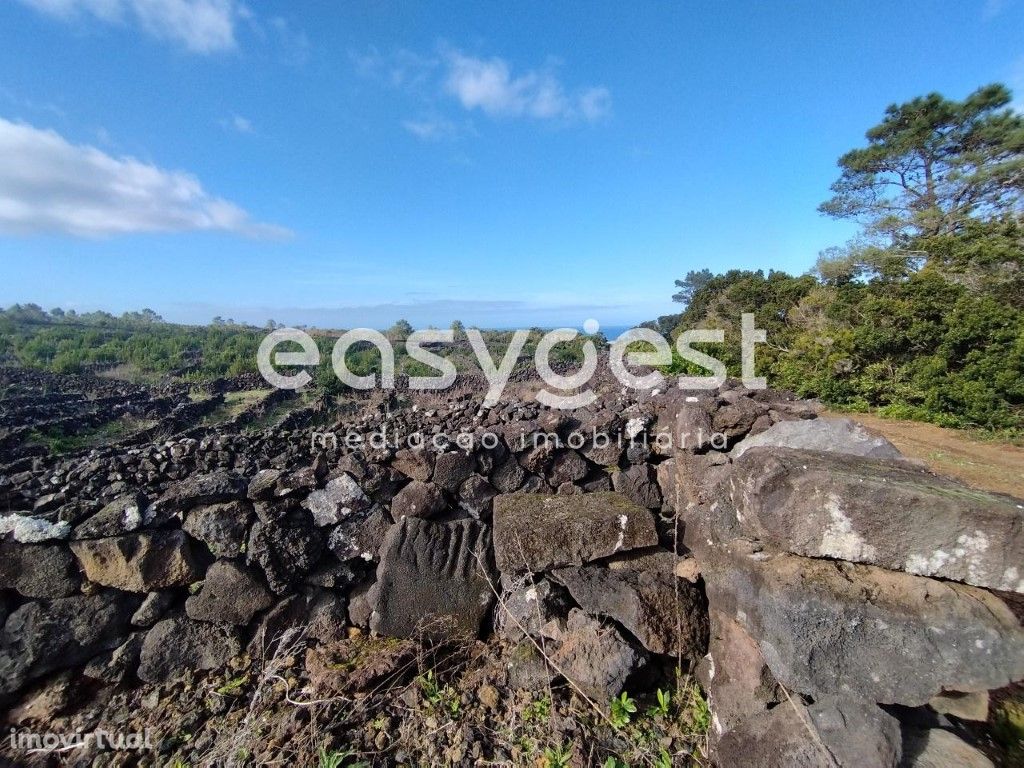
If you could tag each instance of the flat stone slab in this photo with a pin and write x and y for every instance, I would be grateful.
(434, 579)
(880, 512)
(837, 628)
(830, 435)
(534, 532)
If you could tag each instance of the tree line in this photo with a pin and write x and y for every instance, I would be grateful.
(922, 315)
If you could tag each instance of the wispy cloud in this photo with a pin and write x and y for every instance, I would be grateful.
(201, 26)
(487, 85)
(238, 124)
(401, 69)
(49, 185)
(491, 86)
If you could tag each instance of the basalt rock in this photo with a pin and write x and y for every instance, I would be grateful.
(123, 515)
(40, 637)
(666, 615)
(830, 627)
(534, 533)
(418, 499)
(38, 570)
(139, 562)
(874, 511)
(433, 578)
(596, 656)
(340, 498)
(829, 435)
(231, 594)
(221, 527)
(178, 645)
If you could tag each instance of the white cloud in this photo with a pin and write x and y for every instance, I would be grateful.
(49, 185)
(401, 69)
(431, 128)
(490, 86)
(202, 26)
(237, 123)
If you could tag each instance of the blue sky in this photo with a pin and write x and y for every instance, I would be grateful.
(346, 164)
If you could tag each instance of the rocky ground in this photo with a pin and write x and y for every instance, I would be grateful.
(553, 588)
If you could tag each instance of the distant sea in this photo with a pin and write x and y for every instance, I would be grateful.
(612, 332)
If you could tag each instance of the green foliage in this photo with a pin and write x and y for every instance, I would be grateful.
(622, 709)
(336, 759)
(1008, 729)
(538, 710)
(697, 710)
(664, 703)
(444, 698)
(65, 342)
(234, 686)
(558, 757)
(932, 330)
(933, 164)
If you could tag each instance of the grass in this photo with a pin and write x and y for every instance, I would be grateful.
(235, 403)
(57, 442)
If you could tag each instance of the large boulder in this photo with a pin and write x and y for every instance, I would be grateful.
(666, 615)
(178, 645)
(534, 533)
(829, 435)
(433, 578)
(875, 511)
(38, 570)
(138, 562)
(231, 594)
(828, 627)
(40, 637)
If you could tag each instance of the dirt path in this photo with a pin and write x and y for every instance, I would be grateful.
(991, 466)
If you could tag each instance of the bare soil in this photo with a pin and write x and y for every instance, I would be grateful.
(987, 465)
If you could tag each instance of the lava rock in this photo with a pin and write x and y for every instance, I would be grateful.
(138, 562)
(418, 499)
(221, 527)
(535, 533)
(38, 570)
(123, 515)
(433, 578)
(874, 511)
(596, 657)
(179, 645)
(231, 594)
